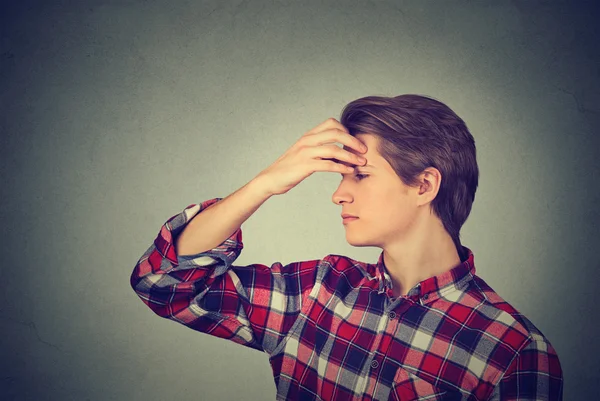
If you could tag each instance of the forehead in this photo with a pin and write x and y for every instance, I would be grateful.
(367, 139)
(373, 158)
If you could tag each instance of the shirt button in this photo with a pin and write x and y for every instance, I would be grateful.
(392, 315)
(425, 296)
(374, 364)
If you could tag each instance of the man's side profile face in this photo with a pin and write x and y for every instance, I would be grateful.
(385, 207)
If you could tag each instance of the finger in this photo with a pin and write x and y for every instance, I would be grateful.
(330, 165)
(336, 135)
(337, 154)
(328, 124)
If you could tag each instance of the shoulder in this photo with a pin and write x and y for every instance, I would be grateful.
(501, 320)
(341, 261)
(344, 269)
(346, 264)
(505, 340)
(322, 267)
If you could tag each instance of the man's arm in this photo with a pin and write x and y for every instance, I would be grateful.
(254, 305)
(215, 224)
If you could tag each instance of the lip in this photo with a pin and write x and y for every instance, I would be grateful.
(346, 220)
(344, 215)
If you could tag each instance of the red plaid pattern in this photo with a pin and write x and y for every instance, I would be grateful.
(334, 331)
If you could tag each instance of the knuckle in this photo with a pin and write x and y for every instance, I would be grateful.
(303, 142)
(301, 148)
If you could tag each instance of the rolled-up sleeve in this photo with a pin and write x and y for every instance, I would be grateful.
(253, 305)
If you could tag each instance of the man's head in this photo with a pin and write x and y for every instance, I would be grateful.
(423, 158)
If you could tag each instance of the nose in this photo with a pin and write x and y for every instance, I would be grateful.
(340, 196)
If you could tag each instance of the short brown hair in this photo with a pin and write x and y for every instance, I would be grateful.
(416, 132)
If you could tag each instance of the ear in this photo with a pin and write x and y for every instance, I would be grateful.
(430, 179)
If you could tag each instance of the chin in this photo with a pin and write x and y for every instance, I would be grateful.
(355, 241)
(358, 245)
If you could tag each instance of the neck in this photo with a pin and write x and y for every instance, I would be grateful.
(428, 252)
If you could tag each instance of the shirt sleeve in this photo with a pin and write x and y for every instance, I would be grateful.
(534, 374)
(254, 305)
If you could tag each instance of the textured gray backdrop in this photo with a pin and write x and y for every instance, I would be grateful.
(116, 115)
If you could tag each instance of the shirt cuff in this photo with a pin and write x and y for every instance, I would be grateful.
(224, 254)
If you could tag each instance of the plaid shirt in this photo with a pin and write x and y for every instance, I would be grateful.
(333, 329)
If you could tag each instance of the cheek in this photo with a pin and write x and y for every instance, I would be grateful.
(392, 208)
(386, 199)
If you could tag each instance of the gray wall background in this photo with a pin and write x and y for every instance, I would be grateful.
(116, 115)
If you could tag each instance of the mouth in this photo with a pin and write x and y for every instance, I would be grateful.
(347, 220)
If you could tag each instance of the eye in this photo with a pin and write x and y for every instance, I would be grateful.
(361, 176)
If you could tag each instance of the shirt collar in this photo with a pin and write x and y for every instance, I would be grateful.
(447, 284)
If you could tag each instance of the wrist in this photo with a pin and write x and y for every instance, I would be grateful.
(259, 186)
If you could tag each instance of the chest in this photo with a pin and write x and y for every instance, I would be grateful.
(369, 343)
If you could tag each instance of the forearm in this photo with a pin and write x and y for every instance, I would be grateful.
(219, 221)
